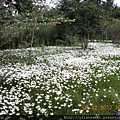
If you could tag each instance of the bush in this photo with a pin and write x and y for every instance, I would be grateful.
(72, 41)
(59, 42)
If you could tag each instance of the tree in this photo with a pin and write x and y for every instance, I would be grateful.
(113, 31)
(28, 29)
(91, 18)
(86, 15)
(117, 12)
(22, 5)
(19, 17)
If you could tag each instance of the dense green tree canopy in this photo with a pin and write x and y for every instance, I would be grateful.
(33, 23)
(91, 17)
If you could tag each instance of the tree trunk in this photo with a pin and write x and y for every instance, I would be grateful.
(32, 38)
(84, 41)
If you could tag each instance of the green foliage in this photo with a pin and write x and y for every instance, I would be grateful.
(60, 42)
(72, 41)
(113, 31)
(29, 29)
(117, 13)
(91, 19)
(32, 25)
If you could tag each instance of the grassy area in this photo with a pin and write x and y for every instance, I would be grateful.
(60, 80)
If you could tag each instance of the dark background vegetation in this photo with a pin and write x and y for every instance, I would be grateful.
(31, 23)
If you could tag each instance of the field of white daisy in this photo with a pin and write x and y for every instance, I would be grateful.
(60, 80)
